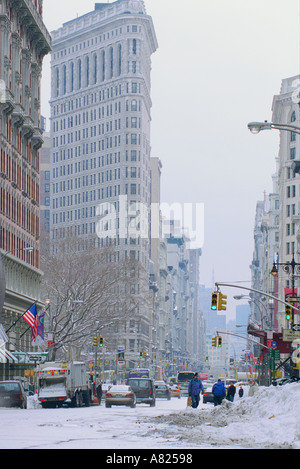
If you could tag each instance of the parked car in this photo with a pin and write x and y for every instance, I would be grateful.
(144, 389)
(292, 379)
(208, 395)
(175, 391)
(12, 394)
(162, 390)
(120, 395)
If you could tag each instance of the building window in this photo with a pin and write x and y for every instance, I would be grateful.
(95, 68)
(57, 82)
(111, 62)
(72, 76)
(293, 116)
(103, 65)
(134, 46)
(79, 74)
(64, 79)
(87, 65)
(120, 59)
(292, 153)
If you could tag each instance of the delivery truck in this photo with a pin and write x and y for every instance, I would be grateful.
(59, 383)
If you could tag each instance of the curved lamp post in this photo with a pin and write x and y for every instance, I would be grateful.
(256, 127)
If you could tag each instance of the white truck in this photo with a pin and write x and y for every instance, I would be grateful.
(61, 383)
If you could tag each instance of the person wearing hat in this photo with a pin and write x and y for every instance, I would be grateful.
(195, 387)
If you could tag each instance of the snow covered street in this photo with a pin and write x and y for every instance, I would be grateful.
(269, 419)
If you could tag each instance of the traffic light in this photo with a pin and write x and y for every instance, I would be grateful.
(101, 341)
(141, 354)
(214, 300)
(214, 342)
(96, 341)
(222, 302)
(219, 341)
(288, 312)
(144, 354)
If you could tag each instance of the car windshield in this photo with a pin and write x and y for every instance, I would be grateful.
(9, 387)
(160, 386)
(136, 383)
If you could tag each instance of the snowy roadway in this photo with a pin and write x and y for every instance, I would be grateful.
(270, 419)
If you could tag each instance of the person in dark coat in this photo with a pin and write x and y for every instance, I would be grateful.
(231, 392)
(241, 391)
(99, 392)
(219, 392)
(195, 387)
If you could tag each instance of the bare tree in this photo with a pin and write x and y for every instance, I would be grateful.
(88, 291)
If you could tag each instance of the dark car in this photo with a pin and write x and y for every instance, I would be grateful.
(144, 390)
(162, 390)
(12, 394)
(208, 396)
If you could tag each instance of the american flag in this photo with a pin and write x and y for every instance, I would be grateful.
(30, 315)
(34, 330)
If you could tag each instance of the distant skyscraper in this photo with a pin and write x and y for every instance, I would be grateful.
(100, 117)
(100, 125)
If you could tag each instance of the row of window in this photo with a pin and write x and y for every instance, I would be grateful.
(93, 69)
(96, 40)
(96, 194)
(94, 131)
(95, 97)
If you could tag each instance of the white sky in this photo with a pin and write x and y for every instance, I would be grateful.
(218, 66)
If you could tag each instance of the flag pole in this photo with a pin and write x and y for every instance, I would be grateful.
(29, 328)
(13, 325)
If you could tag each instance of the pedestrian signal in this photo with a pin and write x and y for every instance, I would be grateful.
(222, 302)
(288, 312)
(214, 300)
(214, 342)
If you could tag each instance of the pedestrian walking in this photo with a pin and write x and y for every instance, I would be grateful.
(231, 392)
(241, 392)
(252, 388)
(219, 392)
(195, 387)
(99, 392)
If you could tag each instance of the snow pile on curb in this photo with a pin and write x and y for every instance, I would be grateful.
(269, 419)
(33, 402)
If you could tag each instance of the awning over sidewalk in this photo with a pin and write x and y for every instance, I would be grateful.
(6, 356)
(3, 336)
(256, 331)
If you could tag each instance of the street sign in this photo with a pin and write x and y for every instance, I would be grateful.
(274, 344)
(289, 336)
(296, 327)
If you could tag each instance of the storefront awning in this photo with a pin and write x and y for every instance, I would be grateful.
(5, 356)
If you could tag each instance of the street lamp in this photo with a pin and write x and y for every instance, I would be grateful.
(29, 249)
(289, 268)
(256, 127)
